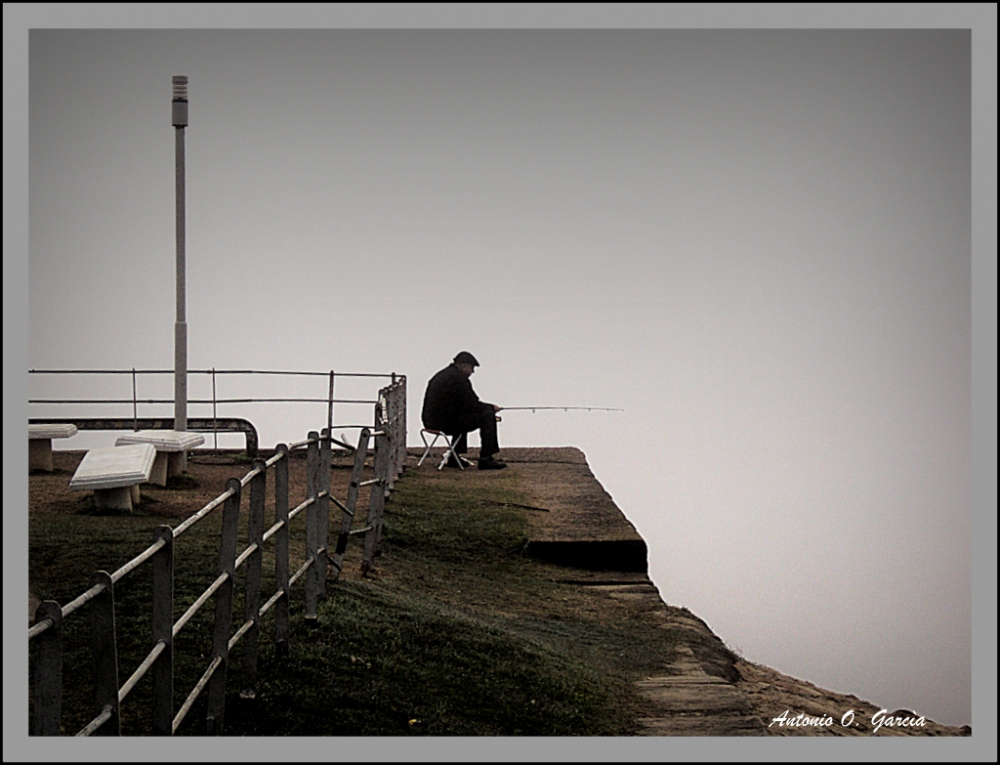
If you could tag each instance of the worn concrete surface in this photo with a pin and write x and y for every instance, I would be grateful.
(583, 527)
(706, 689)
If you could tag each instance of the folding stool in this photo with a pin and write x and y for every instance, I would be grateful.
(449, 442)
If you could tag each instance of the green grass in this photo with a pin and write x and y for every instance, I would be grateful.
(400, 666)
(457, 633)
(66, 549)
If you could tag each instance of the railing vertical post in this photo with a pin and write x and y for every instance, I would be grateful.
(312, 527)
(401, 426)
(400, 429)
(393, 417)
(223, 609)
(388, 426)
(105, 651)
(163, 629)
(251, 602)
(323, 512)
(385, 473)
(329, 405)
(396, 414)
(215, 415)
(375, 502)
(347, 519)
(135, 405)
(281, 552)
(48, 671)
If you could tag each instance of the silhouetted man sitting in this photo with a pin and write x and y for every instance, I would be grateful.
(451, 406)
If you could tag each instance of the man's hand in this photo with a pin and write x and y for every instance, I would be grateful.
(497, 407)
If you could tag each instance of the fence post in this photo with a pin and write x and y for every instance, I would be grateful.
(323, 487)
(375, 502)
(387, 478)
(251, 602)
(400, 443)
(406, 424)
(105, 651)
(312, 529)
(347, 519)
(390, 427)
(396, 414)
(385, 473)
(163, 630)
(281, 552)
(382, 423)
(223, 609)
(48, 671)
(400, 429)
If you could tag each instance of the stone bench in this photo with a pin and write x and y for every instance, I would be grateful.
(114, 474)
(40, 443)
(170, 446)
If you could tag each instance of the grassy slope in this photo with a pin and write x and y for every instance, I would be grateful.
(459, 633)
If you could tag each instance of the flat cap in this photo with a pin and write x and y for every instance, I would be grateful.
(466, 358)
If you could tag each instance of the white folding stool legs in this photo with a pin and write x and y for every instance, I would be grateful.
(448, 452)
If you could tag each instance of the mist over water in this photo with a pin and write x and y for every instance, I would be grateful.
(756, 243)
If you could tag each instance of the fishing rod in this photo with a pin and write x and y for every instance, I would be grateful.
(563, 408)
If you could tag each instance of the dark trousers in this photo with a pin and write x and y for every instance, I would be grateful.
(485, 422)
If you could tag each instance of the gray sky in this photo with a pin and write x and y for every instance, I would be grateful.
(756, 242)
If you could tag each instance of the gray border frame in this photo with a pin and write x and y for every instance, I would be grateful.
(981, 18)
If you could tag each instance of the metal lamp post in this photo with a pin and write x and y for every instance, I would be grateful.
(179, 118)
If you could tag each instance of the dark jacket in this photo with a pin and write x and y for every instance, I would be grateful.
(450, 404)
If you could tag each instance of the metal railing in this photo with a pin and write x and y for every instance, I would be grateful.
(219, 424)
(47, 632)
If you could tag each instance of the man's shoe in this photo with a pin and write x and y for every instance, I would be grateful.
(491, 464)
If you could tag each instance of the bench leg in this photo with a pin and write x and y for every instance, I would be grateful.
(175, 464)
(158, 475)
(40, 454)
(114, 499)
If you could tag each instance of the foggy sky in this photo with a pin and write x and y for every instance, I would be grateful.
(756, 242)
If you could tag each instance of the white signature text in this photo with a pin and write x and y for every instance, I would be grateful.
(879, 719)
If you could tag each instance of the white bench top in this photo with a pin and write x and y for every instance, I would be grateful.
(163, 440)
(114, 467)
(51, 431)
